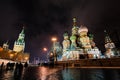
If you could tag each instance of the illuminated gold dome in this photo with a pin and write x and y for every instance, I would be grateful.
(82, 29)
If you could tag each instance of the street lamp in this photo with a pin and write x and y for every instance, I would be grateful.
(54, 39)
(51, 56)
(26, 58)
(44, 49)
(11, 56)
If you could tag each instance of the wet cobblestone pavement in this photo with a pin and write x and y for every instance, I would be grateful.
(46, 73)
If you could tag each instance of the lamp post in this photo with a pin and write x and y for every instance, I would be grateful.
(46, 51)
(54, 39)
(51, 56)
(26, 58)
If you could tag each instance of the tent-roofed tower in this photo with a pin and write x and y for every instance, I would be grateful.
(108, 42)
(6, 46)
(75, 27)
(73, 37)
(109, 45)
(19, 45)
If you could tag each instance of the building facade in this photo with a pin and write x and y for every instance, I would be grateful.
(17, 54)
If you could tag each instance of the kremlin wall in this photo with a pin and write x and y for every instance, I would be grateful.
(17, 54)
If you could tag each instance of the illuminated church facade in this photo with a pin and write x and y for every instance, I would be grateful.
(81, 45)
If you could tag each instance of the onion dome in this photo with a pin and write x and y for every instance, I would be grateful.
(82, 29)
(65, 34)
(91, 36)
(73, 37)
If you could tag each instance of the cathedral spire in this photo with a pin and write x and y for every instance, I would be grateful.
(108, 42)
(107, 37)
(22, 32)
(75, 28)
(7, 42)
(74, 22)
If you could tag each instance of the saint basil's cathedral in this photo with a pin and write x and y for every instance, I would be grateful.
(81, 45)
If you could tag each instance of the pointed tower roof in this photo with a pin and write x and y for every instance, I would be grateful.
(22, 32)
(108, 42)
(75, 28)
(7, 42)
(74, 22)
(107, 37)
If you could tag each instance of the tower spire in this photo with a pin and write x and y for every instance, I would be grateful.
(22, 32)
(6, 46)
(7, 42)
(19, 45)
(74, 22)
(108, 42)
(107, 38)
(75, 28)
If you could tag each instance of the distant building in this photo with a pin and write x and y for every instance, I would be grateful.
(17, 54)
(109, 46)
(6, 46)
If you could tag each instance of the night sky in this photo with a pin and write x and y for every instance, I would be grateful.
(44, 19)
